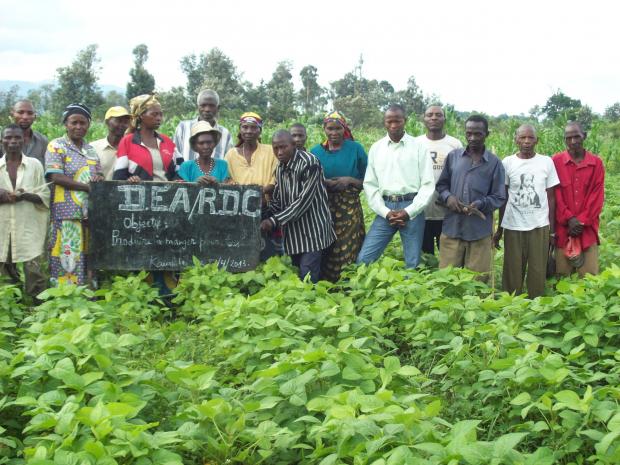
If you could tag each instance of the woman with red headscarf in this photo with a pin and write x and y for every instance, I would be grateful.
(344, 165)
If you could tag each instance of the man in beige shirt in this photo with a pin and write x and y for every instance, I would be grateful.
(117, 121)
(24, 212)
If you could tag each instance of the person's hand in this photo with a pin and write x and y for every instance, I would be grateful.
(96, 178)
(497, 237)
(268, 189)
(575, 228)
(266, 226)
(6, 196)
(134, 179)
(397, 218)
(552, 238)
(206, 180)
(453, 204)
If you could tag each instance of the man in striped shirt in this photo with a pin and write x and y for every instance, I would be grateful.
(299, 206)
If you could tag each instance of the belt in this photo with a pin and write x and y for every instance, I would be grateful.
(399, 198)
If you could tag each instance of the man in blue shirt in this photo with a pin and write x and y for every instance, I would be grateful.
(472, 186)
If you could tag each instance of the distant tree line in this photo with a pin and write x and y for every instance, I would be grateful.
(360, 98)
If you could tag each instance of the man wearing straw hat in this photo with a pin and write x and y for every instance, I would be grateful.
(24, 212)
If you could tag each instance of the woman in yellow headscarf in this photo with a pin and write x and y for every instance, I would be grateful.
(144, 154)
(251, 162)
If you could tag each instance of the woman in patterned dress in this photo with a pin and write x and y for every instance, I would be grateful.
(344, 165)
(71, 165)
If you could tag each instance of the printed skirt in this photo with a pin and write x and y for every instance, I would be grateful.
(69, 246)
(348, 218)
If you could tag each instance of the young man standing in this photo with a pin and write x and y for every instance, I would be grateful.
(24, 212)
(398, 184)
(298, 132)
(472, 186)
(527, 216)
(299, 206)
(438, 145)
(579, 201)
(117, 121)
(35, 143)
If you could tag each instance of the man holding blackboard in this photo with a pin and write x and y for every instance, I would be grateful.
(299, 206)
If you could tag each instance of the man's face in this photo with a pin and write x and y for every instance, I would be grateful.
(283, 148)
(207, 108)
(526, 140)
(434, 119)
(476, 134)
(574, 137)
(394, 122)
(299, 136)
(117, 125)
(23, 114)
(12, 141)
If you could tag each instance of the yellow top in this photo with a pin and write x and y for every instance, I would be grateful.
(24, 224)
(261, 170)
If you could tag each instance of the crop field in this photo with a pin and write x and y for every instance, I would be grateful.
(387, 367)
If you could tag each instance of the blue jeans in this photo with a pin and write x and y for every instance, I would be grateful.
(381, 233)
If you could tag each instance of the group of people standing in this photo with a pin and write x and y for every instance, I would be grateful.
(436, 193)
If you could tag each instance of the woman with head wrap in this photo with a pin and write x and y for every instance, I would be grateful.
(204, 169)
(251, 162)
(71, 165)
(144, 154)
(344, 164)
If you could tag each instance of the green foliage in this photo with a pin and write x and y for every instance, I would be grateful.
(281, 94)
(77, 82)
(141, 81)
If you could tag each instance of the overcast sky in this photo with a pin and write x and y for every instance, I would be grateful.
(492, 56)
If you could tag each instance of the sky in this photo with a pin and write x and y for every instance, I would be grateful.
(492, 56)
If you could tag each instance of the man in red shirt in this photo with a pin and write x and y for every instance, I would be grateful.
(579, 201)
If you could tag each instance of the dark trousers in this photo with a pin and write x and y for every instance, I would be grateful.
(525, 251)
(309, 263)
(432, 232)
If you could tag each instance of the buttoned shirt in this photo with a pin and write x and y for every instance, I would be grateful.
(581, 194)
(23, 224)
(299, 205)
(107, 156)
(482, 184)
(184, 149)
(398, 168)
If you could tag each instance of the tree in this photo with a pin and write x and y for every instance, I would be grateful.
(141, 81)
(612, 112)
(359, 111)
(560, 104)
(255, 98)
(7, 101)
(114, 99)
(412, 98)
(312, 95)
(281, 94)
(213, 70)
(174, 102)
(42, 97)
(78, 82)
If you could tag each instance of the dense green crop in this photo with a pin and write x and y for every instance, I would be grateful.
(387, 367)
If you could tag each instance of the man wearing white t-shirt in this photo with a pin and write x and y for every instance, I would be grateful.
(438, 145)
(528, 215)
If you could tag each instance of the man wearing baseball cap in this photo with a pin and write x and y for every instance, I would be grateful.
(117, 121)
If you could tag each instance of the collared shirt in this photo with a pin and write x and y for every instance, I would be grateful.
(437, 151)
(398, 168)
(23, 224)
(36, 147)
(581, 194)
(299, 205)
(80, 164)
(184, 149)
(261, 169)
(107, 156)
(482, 184)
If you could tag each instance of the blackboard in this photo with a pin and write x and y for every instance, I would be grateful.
(162, 225)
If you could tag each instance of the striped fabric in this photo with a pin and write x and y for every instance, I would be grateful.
(299, 205)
